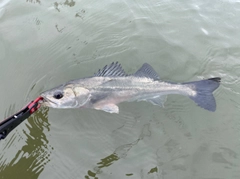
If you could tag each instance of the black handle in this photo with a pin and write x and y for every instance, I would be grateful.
(10, 123)
(7, 125)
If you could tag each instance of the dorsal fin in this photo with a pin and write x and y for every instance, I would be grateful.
(114, 69)
(147, 71)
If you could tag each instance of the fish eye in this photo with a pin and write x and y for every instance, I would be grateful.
(58, 95)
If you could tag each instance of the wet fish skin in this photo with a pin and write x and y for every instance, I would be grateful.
(111, 86)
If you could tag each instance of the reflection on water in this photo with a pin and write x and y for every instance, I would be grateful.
(66, 3)
(34, 1)
(31, 159)
(120, 153)
(69, 3)
(46, 43)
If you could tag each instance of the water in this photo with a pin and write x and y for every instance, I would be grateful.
(44, 44)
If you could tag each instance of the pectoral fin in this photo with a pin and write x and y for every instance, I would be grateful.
(110, 108)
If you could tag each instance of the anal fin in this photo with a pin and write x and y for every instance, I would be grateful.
(110, 108)
(160, 100)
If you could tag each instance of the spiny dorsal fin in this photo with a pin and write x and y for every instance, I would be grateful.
(114, 69)
(147, 71)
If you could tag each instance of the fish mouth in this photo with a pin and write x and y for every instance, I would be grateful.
(47, 102)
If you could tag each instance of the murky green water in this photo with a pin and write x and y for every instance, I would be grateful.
(46, 43)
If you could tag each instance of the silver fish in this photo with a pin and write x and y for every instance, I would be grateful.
(111, 85)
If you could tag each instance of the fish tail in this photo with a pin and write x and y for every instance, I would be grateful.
(204, 92)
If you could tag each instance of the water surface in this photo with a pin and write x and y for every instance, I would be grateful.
(44, 44)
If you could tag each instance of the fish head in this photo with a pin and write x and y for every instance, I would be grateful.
(66, 96)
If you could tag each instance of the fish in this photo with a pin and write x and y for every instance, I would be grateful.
(111, 85)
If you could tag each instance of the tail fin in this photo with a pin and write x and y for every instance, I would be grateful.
(204, 88)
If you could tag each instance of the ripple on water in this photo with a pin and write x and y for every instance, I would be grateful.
(215, 64)
(184, 41)
(30, 147)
